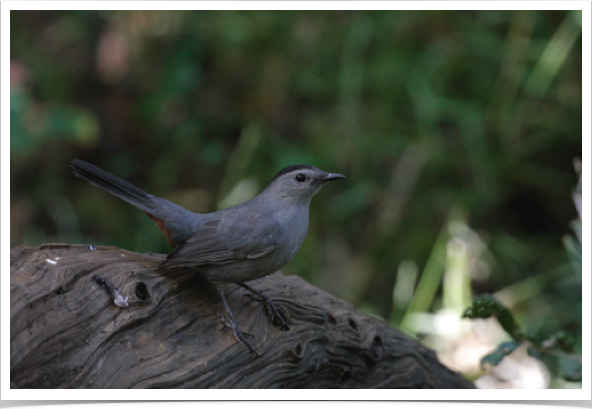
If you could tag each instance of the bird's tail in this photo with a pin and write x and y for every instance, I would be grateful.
(114, 185)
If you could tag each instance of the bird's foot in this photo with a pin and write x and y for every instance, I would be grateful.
(275, 314)
(238, 334)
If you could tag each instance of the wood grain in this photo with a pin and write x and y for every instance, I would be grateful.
(66, 332)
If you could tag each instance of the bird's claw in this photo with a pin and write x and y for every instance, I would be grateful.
(276, 315)
(238, 334)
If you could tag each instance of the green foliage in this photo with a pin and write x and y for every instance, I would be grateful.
(570, 369)
(558, 346)
(486, 306)
(562, 340)
(504, 349)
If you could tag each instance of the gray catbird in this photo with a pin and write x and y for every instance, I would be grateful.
(241, 243)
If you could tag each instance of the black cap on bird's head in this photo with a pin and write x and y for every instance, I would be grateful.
(300, 181)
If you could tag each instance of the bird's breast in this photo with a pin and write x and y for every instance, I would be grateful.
(294, 226)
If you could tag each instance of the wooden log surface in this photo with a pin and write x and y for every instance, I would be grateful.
(67, 332)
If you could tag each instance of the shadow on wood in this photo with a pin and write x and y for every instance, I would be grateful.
(67, 332)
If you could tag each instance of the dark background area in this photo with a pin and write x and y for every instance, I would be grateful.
(457, 131)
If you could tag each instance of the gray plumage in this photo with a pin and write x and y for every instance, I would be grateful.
(234, 245)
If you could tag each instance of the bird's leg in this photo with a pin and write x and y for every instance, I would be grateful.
(232, 324)
(274, 313)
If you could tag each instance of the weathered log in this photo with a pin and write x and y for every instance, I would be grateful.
(67, 332)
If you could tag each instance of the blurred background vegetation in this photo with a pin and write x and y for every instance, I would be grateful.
(457, 131)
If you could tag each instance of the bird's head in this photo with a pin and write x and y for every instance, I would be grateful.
(300, 182)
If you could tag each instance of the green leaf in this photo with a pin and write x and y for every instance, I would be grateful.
(533, 352)
(485, 306)
(570, 369)
(561, 340)
(504, 349)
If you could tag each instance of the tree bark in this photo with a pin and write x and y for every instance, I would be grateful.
(67, 332)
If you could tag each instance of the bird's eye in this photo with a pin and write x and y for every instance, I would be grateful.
(300, 177)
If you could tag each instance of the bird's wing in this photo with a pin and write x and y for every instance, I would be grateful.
(222, 240)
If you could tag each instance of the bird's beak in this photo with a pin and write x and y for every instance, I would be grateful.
(333, 176)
